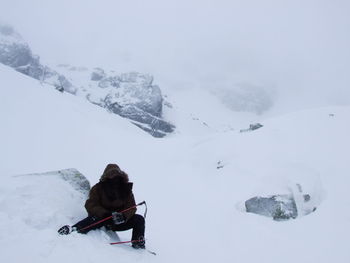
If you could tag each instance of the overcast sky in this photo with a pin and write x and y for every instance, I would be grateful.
(295, 46)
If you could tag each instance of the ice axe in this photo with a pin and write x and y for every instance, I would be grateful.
(65, 230)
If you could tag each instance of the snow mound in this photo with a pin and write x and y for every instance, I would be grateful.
(35, 205)
(37, 199)
(295, 191)
(76, 179)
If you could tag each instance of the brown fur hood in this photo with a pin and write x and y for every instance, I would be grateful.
(113, 171)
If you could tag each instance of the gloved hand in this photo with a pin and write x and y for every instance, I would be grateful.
(118, 218)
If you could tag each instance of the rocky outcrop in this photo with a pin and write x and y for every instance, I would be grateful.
(133, 96)
(15, 52)
(130, 95)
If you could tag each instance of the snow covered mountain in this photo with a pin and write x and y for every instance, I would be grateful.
(16, 53)
(195, 183)
(130, 95)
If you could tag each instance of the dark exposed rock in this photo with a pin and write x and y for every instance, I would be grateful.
(279, 207)
(153, 131)
(220, 165)
(252, 127)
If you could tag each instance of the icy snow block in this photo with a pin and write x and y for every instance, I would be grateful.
(279, 207)
(76, 179)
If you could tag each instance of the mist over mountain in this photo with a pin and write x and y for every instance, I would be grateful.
(295, 50)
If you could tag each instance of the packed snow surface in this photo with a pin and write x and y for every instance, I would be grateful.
(195, 183)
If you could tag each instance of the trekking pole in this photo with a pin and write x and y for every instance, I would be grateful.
(133, 241)
(109, 217)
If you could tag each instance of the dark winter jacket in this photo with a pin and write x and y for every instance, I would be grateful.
(112, 194)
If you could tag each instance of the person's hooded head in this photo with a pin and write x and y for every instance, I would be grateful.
(115, 182)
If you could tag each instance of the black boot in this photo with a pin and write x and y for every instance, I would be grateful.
(140, 243)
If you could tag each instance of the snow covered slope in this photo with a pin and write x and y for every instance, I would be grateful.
(194, 183)
(131, 95)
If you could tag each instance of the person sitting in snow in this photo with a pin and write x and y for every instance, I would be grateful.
(112, 194)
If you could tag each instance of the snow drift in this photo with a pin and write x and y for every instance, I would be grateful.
(193, 213)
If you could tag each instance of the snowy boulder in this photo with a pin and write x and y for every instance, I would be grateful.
(283, 206)
(42, 201)
(16, 53)
(279, 207)
(72, 176)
